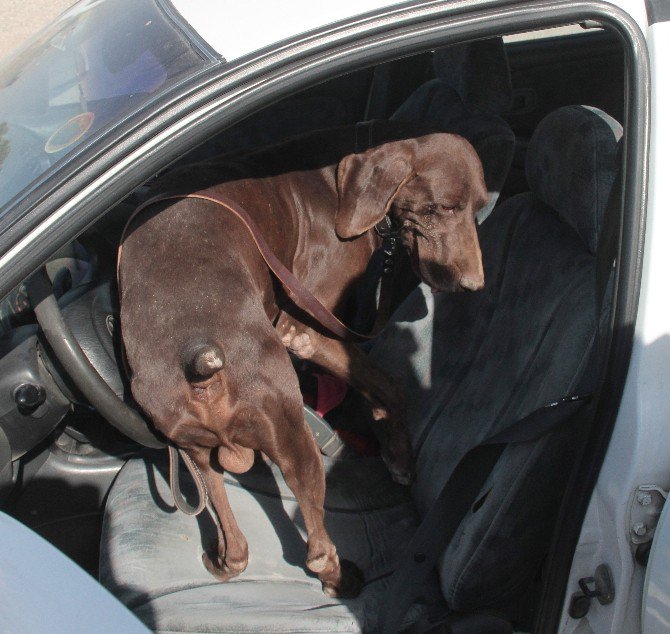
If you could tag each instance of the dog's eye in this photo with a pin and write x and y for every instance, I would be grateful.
(448, 209)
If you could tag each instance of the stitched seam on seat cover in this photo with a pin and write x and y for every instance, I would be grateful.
(133, 605)
(293, 630)
(250, 629)
(326, 629)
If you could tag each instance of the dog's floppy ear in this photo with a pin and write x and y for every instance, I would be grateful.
(367, 183)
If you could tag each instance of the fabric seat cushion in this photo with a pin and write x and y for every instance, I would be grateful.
(151, 554)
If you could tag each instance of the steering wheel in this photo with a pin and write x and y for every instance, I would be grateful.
(67, 350)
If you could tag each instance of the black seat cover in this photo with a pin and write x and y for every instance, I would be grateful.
(473, 364)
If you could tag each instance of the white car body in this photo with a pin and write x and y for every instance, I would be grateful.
(639, 451)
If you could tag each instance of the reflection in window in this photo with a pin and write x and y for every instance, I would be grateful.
(96, 64)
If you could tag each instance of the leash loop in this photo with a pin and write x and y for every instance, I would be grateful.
(175, 485)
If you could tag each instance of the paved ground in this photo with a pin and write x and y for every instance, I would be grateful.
(23, 18)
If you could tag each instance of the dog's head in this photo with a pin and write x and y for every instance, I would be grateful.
(432, 187)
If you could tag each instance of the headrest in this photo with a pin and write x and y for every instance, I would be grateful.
(571, 164)
(479, 73)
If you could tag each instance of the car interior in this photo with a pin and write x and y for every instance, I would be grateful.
(543, 111)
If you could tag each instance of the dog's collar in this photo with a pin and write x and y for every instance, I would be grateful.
(389, 232)
(387, 228)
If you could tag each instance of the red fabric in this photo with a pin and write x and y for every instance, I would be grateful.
(330, 392)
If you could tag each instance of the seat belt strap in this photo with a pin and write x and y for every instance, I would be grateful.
(458, 494)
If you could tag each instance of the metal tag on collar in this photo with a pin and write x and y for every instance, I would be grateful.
(386, 229)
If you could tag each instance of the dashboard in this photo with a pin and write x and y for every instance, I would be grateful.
(35, 392)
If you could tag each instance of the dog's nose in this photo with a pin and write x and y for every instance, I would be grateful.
(472, 282)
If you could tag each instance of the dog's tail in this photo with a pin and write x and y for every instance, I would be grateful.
(202, 361)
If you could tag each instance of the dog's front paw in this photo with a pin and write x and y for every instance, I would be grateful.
(400, 473)
(348, 585)
(300, 344)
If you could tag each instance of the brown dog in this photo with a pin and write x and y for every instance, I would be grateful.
(198, 306)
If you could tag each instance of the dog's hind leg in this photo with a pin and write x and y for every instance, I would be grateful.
(207, 403)
(232, 551)
(297, 456)
(291, 446)
(231, 554)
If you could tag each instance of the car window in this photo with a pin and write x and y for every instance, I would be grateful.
(96, 63)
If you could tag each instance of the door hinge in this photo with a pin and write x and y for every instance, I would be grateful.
(646, 507)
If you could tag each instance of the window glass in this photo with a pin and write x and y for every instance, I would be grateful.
(95, 64)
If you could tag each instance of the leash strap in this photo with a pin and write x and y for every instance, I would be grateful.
(175, 484)
(204, 501)
(295, 289)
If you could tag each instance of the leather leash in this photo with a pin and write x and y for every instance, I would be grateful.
(294, 288)
(180, 500)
